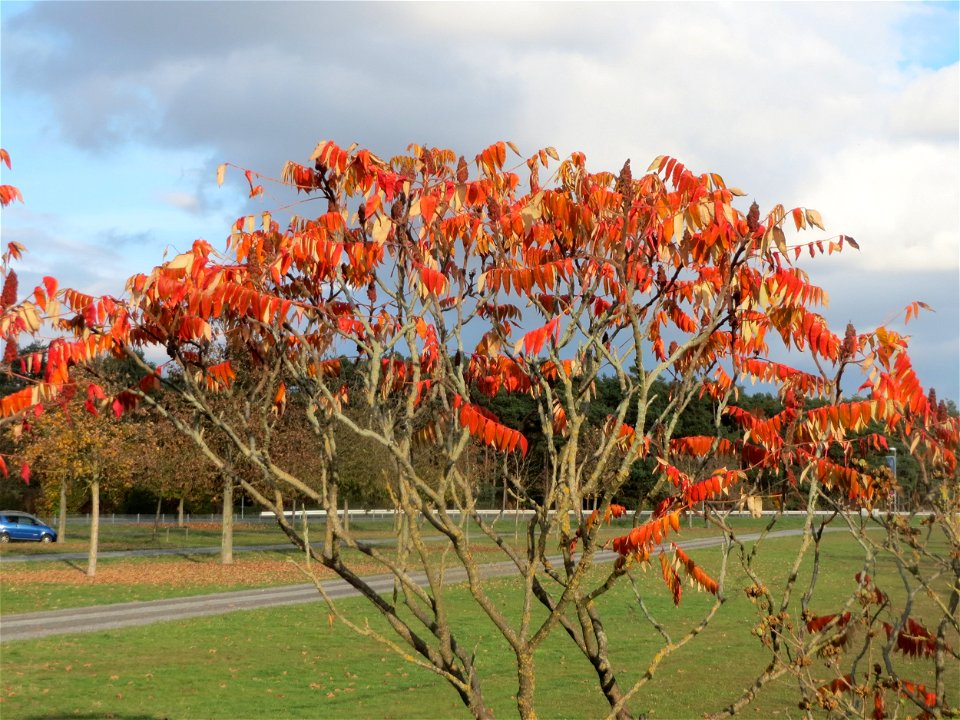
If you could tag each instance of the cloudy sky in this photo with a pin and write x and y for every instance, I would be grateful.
(117, 114)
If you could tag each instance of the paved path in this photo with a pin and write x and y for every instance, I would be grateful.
(107, 617)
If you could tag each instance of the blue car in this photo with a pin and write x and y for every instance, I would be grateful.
(15, 525)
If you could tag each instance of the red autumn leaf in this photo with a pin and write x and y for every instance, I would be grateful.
(696, 573)
(534, 340)
(8, 193)
(428, 204)
(484, 426)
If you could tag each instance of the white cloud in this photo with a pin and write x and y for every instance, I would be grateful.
(927, 108)
(186, 201)
(820, 104)
(900, 202)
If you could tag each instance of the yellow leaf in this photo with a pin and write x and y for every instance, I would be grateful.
(531, 212)
(552, 152)
(459, 197)
(764, 298)
(317, 150)
(728, 213)
(381, 229)
(705, 212)
(221, 171)
(28, 314)
(513, 147)
(775, 234)
(183, 260)
(814, 218)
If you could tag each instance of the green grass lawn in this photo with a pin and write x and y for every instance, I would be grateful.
(131, 536)
(290, 662)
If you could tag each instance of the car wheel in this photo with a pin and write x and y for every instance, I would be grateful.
(4, 538)
(46, 539)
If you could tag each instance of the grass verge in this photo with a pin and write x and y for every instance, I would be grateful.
(294, 663)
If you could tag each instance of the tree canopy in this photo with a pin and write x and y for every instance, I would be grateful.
(416, 294)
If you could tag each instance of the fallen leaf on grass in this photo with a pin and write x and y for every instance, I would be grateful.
(170, 573)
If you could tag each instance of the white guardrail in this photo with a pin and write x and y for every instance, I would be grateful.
(374, 514)
(389, 512)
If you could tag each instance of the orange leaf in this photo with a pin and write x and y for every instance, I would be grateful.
(534, 340)
(428, 204)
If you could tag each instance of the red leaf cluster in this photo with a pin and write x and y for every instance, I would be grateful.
(641, 540)
(613, 511)
(913, 639)
(696, 573)
(672, 578)
(486, 428)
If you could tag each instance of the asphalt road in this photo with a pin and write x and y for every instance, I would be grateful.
(108, 617)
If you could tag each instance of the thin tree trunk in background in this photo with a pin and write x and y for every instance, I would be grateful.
(226, 528)
(94, 527)
(180, 513)
(156, 518)
(62, 511)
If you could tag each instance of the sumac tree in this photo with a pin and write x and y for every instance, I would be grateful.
(413, 288)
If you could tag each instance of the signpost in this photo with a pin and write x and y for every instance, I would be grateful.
(892, 464)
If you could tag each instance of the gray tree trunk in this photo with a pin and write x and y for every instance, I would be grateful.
(94, 527)
(62, 511)
(226, 529)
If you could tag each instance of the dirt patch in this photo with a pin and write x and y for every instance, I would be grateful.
(171, 573)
